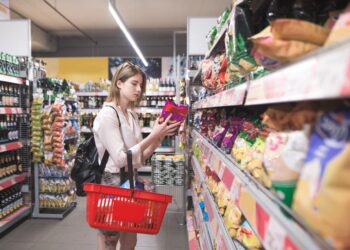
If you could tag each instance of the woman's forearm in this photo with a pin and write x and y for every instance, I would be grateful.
(147, 153)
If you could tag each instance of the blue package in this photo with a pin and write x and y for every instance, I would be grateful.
(138, 185)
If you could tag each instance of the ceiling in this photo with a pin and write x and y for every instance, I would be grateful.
(151, 22)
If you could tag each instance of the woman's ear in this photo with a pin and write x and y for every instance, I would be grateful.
(119, 84)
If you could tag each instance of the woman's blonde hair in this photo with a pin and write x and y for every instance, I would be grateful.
(123, 73)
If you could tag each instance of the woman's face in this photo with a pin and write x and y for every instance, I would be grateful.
(131, 89)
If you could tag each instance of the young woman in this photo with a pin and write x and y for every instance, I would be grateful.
(128, 85)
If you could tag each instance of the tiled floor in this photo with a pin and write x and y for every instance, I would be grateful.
(73, 233)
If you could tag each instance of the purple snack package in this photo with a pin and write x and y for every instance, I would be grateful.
(231, 134)
(179, 112)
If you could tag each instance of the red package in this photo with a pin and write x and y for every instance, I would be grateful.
(179, 112)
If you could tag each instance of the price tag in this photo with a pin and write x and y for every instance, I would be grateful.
(236, 191)
(221, 170)
(275, 236)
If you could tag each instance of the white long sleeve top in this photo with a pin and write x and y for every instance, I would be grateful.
(108, 135)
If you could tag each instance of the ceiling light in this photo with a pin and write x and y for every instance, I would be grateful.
(121, 25)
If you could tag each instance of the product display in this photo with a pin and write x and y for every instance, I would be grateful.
(11, 199)
(10, 164)
(168, 170)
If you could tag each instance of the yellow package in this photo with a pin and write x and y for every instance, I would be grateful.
(299, 30)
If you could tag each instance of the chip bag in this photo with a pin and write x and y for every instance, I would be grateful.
(179, 112)
(322, 197)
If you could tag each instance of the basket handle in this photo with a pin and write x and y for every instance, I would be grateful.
(130, 169)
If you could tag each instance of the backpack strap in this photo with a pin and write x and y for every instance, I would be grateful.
(106, 154)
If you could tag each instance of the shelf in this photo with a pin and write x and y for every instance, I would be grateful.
(165, 150)
(220, 233)
(54, 213)
(11, 79)
(258, 205)
(204, 227)
(11, 180)
(14, 218)
(67, 138)
(10, 111)
(102, 93)
(158, 93)
(10, 146)
(322, 75)
(230, 97)
(90, 110)
(145, 169)
(148, 110)
(146, 130)
(191, 233)
(86, 130)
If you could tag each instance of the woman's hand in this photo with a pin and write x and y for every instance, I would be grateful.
(161, 130)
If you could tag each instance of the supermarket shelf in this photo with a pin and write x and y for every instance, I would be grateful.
(85, 130)
(191, 232)
(221, 235)
(230, 97)
(55, 213)
(11, 79)
(145, 169)
(322, 75)
(10, 146)
(158, 93)
(146, 130)
(204, 227)
(101, 93)
(165, 150)
(220, 37)
(258, 205)
(148, 110)
(14, 218)
(10, 111)
(11, 180)
(90, 110)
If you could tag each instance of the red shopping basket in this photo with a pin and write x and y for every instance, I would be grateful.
(128, 210)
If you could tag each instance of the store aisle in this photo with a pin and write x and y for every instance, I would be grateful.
(73, 233)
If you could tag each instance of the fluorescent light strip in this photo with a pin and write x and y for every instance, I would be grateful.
(121, 25)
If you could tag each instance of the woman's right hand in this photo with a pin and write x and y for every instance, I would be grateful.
(161, 130)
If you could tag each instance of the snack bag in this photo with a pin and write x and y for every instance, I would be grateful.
(179, 112)
(299, 30)
(322, 197)
(341, 30)
(247, 236)
(231, 134)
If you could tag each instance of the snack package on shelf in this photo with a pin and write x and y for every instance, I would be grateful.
(36, 126)
(235, 124)
(168, 170)
(322, 197)
(247, 236)
(341, 29)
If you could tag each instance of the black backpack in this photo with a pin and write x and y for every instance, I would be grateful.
(86, 168)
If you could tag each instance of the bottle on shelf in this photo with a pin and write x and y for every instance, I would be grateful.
(11, 199)
(10, 164)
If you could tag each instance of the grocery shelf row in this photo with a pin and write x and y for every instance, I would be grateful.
(14, 218)
(219, 40)
(10, 146)
(220, 235)
(319, 76)
(261, 208)
(191, 232)
(11, 79)
(105, 93)
(12, 180)
(10, 111)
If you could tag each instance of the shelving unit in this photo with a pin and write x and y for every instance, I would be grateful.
(317, 70)
(12, 180)
(17, 100)
(100, 93)
(267, 217)
(219, 233)
(165, 150)
(14, 218)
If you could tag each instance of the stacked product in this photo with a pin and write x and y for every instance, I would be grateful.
(36, 141)
(11, 199)
(9, 65)
(266, 35)
(168, 169)
(282, 152)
